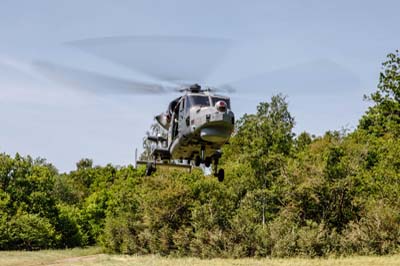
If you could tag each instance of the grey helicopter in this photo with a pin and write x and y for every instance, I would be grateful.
(198, 123)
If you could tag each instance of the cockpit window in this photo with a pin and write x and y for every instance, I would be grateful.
(195, 100)
(216, 99)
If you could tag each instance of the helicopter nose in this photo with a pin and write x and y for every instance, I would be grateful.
(215, 134)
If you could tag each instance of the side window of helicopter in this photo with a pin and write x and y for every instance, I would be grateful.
(183, 114)
(187, 105)
(182, 107)
(176, 120)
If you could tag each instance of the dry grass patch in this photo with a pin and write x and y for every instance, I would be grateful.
(92, 257)
(43, 257)
(160, 261)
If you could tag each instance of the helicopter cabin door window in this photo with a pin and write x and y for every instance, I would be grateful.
(176, 120)
(182, 114)
(182, 106)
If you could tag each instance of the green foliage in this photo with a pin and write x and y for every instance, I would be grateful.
(27, 205)
(69, 228)
(29, 232)
(377, 232)
(263, 138)
(384, 116)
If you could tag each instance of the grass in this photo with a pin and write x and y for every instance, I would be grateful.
(43, 257)
(155, 261)
(93, 257)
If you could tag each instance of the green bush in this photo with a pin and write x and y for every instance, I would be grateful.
(69, 228)
(376, 233)
(30, 232)
(123, 234)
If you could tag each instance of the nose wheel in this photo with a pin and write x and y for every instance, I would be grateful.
(150, 169)
(220, 174)
(199, 159)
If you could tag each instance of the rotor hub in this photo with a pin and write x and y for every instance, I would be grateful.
(196, 88)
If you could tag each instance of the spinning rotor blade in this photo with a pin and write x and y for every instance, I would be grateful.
(226, 88)
(96, 82)
(321, 76)
(166, 58)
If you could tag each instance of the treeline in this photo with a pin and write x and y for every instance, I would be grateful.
(283, 195)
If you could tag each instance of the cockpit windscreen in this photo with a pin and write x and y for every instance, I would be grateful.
(195, 100)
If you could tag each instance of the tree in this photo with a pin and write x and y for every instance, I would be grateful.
(84, 164)
(264, 140)
(384, 116)
(303, 140)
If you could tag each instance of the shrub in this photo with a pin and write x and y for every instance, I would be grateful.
(67, 225)
(377, 232)
(31, 232)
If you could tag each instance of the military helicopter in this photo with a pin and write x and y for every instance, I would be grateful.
(198, 124)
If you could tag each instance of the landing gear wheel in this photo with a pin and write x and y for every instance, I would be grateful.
(149, 169)
(197, 161)
(221, 175)
(207, 162)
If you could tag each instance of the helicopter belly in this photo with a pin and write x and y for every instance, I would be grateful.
(215, 134)
(217, 128)
(181, 149)
(207, 130)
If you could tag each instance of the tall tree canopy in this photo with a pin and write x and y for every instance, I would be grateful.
(384, 116)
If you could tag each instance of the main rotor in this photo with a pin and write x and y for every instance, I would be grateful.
(196, 88)
(194, 60)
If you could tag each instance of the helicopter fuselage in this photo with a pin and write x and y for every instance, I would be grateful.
(198, 124)
(200, 128)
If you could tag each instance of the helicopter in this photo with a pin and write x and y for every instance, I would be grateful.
(198, 123)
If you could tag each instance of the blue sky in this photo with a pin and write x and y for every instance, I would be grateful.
(323, 55)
